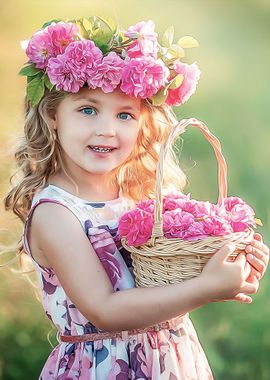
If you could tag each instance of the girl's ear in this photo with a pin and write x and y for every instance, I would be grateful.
(52, 119)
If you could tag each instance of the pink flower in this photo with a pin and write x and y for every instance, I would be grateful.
(69, 71)
(50, 42)
(147, 206)
(40, 49)
(146, 43)
(143, 77)
(84, 56)
(176, 223)
(195, 231)
(239, 214)
(202, 209)
(215, 226)
(108, 73)
(181, 94)
(61, 34)
(136, 226)
(170, 204)
(64, 75)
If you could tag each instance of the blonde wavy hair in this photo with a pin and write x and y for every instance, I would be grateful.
(38, 156)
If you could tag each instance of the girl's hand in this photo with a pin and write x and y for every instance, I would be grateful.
(257, 256)
(229, 280)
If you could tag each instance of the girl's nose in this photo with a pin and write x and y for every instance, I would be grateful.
(106, 127)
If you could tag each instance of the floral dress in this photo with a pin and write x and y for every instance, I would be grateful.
(169, 354)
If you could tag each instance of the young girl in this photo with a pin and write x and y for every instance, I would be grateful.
(96, 112)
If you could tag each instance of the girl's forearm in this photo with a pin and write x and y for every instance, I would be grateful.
(143, 307)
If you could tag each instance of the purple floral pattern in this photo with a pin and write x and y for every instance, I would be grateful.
(170, 354)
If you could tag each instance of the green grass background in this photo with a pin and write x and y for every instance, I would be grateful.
(232, 99)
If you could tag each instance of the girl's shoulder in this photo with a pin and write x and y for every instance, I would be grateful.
(97, 211)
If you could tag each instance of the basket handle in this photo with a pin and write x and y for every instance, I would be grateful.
(222, 169)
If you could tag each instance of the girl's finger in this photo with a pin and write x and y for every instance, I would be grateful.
(240, 259)
(250, 288)
(241, 297)
(258, 264)
(255, 273)
(257, 246)
(224, 252)
(258, 236)
(247, 270)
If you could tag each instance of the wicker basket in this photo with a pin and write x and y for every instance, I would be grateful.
(162, 261)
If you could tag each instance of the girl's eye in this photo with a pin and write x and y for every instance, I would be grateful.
(88, 110)
(125, 116)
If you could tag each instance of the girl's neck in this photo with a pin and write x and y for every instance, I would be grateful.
(96, 193)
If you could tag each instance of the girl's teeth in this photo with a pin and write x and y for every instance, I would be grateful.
(97, 149)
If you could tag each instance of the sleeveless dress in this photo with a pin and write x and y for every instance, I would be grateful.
(169, 354)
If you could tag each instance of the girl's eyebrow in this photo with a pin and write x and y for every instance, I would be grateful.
(126, 107)
(87, 98)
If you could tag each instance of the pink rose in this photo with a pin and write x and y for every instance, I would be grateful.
(146, 43)
(239, 214)
(84, 56)
(147, 205)
(181, 94)
(176, 223)
(64, 75)
(136, 226)
(195, 231)
(61, 34)
(50, 42)
(40, 49)
(108, 73)
(215, 226)
(69, 71)
(143, 77)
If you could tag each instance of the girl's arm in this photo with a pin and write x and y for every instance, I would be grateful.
(59, 235)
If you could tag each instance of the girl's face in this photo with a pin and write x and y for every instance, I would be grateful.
(97, 131)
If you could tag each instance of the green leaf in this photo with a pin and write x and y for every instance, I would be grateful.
(35, 90)
(50, 22)
(102, 37)
(180, 53)
(38, 76)
(159, 98)
(187, 42)
(176, 82)
(87, 25)
(29, 70)
(109, 22)
(167, 38)
(258, 222)
(47, 82)
(82, 31)
(95, 22)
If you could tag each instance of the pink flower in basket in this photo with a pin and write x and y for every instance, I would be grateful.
(137, 226)
(176, 223)
(239, 214)
(186, 219)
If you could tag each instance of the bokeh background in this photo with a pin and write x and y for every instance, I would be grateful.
(232, 99)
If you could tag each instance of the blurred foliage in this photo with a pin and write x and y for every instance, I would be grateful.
(232, 99)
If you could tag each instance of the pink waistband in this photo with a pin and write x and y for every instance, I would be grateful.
(120, 334)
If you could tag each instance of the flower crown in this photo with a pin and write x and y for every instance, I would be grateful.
(68, 55)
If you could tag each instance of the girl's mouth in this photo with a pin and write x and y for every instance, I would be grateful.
(101, 149)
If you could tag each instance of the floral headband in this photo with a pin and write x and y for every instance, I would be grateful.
(68, 55)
